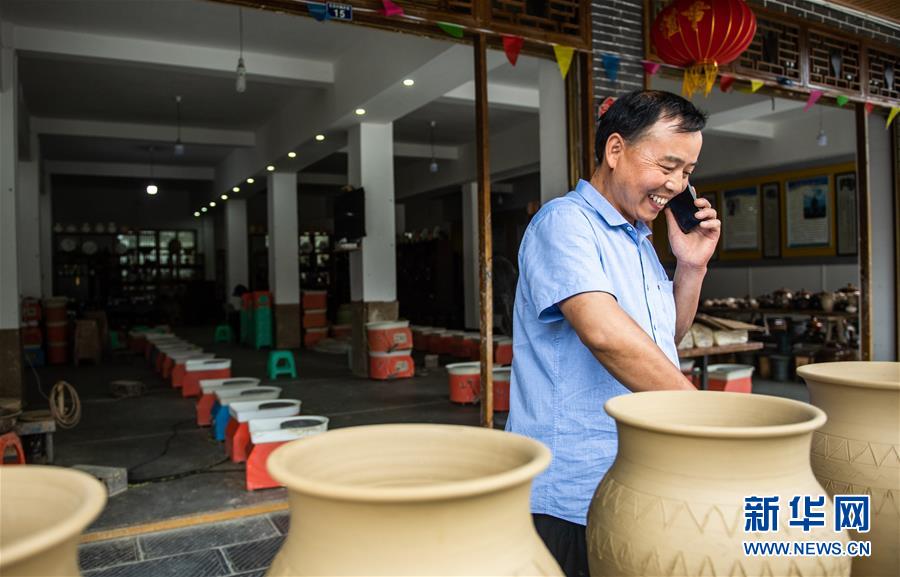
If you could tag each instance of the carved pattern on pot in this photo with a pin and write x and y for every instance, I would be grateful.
(630, 559)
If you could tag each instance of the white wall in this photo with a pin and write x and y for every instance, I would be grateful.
(9, 281)
(883, 227)
(28, 225)
(739, 281)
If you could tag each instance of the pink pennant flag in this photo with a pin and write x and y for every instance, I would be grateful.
(725, 83)
(391, 9)
(814, 97)
(651, 68)
(869, 108)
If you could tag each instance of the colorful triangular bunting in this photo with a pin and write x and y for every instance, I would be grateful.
(725, 82)
(454, 30)
(611, 65)
(563, 58)
(842, 100)
(512, 45)
(869, 108)
(814, 97)
(756, 85)
(318, 11)
(651, 68)
(891, 116)
(391, 9)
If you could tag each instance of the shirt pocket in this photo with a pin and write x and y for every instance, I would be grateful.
(665, 313)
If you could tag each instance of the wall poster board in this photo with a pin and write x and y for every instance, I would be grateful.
(845, 205)
(808, 215)
(740, 219)
(771, 212)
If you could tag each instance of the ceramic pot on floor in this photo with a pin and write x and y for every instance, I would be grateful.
(857, 452)
(43, 511)
(673, 501)
(411, 499)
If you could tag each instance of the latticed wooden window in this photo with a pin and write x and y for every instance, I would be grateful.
(834, 62)
(882, 68)
(560, 16)
(774, 52)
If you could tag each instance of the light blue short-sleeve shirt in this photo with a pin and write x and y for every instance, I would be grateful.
(575, 244)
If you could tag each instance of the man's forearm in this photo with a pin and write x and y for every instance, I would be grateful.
(688, 281)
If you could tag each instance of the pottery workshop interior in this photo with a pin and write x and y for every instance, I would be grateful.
(449, 287)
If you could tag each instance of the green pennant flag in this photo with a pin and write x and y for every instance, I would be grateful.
(454, 30)
(842, 100)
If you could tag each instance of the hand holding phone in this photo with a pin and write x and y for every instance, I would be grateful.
(684, 209)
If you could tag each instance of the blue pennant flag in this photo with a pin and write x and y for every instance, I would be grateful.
(318, 11)
(611, 65)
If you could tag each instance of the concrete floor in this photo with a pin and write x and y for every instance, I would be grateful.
(131, 432)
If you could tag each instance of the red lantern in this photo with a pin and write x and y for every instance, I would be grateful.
(701, 35)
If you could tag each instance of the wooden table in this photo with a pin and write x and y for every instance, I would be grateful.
(703, 353)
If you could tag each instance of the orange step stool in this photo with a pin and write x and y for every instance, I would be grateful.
(237, 434)
(179, 368)
(266, 435)
(208, 388)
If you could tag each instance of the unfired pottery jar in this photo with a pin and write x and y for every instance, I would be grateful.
(43, 511)
(858, 450)
(411, 500)
(673, 501)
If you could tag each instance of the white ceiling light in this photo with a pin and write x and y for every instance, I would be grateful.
(212, 203)
(320, 137)
(270, 168)
(250, 180)
(236, 189)
(292, 154)
(152, 189)
(204, 209)
(196, 213)
(241, 81)
(409, 82)
(224, 197)
(360, 111)
(179, 147)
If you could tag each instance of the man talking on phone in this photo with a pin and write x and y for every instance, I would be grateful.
(596, 315)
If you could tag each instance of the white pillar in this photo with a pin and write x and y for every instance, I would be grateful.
(46, 236)
(552, 122)
(9, 267)
(370, 158)
(236, 247)
(284, 249)
(208, 231)
(28, 223)
(400, 218)
(883, 228)
(471, 270)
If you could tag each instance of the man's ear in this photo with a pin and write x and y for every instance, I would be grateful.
(615, 146)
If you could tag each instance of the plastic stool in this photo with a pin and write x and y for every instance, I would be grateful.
(276, 368)
(223, 334)
(237, 433)
(266, 435)
(8, 441)
(224, 397)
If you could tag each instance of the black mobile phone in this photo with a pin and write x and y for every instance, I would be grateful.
(683, 208)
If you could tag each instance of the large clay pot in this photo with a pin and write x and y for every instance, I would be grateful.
(43, 511)
(411, 500)
(858, 451)
(673, 501)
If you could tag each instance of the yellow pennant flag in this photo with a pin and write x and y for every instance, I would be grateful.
(563, 58)
(756, 85)
(891, 116)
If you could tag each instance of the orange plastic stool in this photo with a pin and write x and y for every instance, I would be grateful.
(257, 475)
(237, 446)
(9, 441)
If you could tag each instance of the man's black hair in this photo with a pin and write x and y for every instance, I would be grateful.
(632, 115)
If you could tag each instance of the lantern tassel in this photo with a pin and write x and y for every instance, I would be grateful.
(699, 76)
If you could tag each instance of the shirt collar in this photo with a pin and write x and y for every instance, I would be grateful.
(612, 216)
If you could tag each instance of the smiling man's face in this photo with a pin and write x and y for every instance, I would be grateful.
(650, 171)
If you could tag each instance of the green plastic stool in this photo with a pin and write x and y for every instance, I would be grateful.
(115, 343)
(277, 367)
(223, 334)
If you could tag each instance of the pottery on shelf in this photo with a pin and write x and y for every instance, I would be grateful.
(43, 511)
(858, 450)
(411, 499)
(673, 501)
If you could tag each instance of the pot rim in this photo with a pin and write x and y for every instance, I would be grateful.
(290, 453)
(841, 373)
(617, 408)
(93, 500)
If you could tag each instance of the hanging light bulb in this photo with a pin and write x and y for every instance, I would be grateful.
(241, 82)
(822, 137)
(152, 189)
(179, 147)
(433, 167)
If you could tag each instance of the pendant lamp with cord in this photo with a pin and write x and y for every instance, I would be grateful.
(152, 189)
(179, 146)
(241, 82)
(433, 167)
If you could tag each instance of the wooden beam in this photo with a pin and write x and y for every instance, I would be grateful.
(895, 164)
(485, 242)
(588, 115)
(864, 232)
